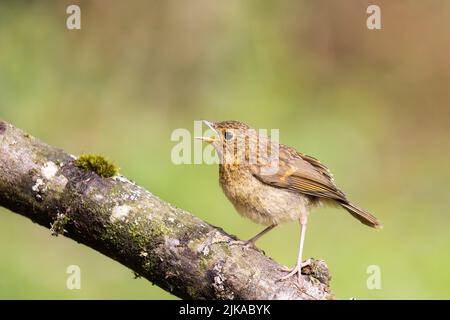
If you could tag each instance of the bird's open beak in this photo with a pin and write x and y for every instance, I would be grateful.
(208, 139)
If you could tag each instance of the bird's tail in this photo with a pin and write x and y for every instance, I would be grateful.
(362, 215)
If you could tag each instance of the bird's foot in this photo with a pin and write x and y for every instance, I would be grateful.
(287, 269)
(297, 270)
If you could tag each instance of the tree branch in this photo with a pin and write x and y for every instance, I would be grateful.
(164, 244)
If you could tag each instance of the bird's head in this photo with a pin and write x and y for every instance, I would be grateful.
(234, 141)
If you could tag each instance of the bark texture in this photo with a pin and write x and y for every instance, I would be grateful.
(158, 241)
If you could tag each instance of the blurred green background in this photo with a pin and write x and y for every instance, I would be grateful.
(372, 105)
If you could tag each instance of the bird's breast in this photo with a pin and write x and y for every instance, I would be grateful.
(258, 201)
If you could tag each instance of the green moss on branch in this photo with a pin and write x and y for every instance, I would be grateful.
(97, 164)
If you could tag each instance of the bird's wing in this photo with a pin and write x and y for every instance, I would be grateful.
(318, 165)
(299, 173)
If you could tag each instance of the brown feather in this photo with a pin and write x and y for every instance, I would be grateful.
(296, 173)
(362, 215)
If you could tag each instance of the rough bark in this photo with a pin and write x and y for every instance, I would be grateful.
(164, 244)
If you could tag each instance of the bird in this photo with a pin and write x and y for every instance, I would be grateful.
(271, 183)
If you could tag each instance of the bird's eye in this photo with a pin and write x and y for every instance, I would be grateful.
(228, 135)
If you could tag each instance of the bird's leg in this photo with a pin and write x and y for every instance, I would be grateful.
(251, 242)
(259, 235)
(298, 268)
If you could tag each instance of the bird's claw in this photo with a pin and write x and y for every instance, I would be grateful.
(294, 271)
(287, 269)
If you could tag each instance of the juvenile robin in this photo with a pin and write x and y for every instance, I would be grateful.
(271, 183)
